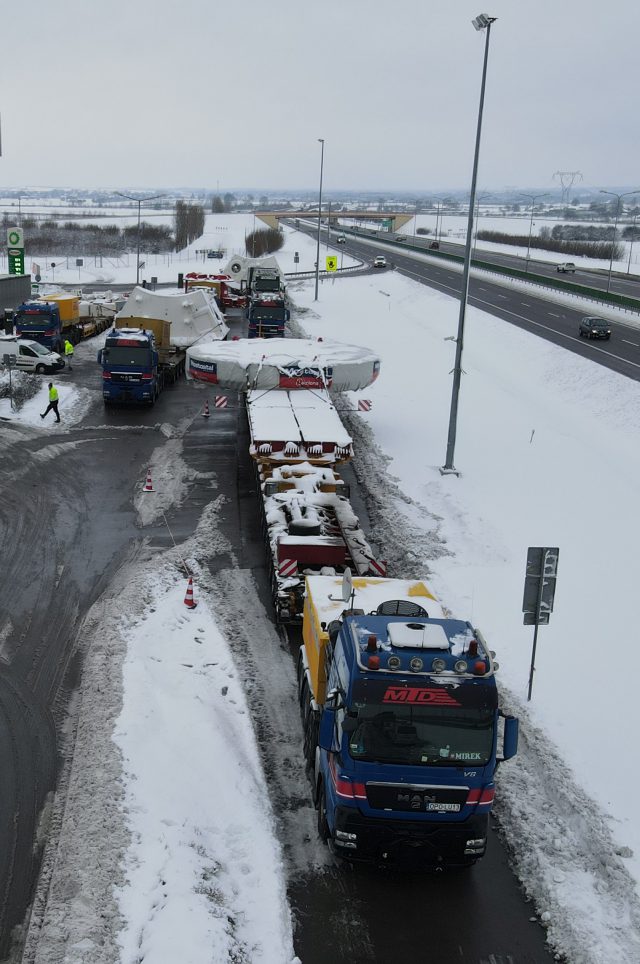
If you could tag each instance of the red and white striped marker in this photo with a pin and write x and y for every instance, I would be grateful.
(221, 401)
(206, 412)
(378, 568)
(148, 486)
(189, 601)
(364, 405)
(288, 567)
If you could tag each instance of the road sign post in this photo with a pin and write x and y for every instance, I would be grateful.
(539, 593)
(331, 262)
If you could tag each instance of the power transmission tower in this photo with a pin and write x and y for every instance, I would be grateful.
(567, 180)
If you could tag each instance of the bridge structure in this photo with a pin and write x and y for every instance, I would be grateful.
(395, 219)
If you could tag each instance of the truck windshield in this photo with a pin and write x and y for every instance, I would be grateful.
(422, 735)
(138, 357)
(34, 320)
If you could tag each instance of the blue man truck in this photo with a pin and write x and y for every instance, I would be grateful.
(137, 363)
(267, 316)
(50, 321)
(401, 723)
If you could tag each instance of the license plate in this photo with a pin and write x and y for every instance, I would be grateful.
(449, 807)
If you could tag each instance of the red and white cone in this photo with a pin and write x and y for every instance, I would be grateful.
(205, 414)
(189, 601)
(148, 486)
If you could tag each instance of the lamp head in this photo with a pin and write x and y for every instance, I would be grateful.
(482, 21)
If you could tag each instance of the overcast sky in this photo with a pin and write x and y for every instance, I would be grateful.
(152, 93)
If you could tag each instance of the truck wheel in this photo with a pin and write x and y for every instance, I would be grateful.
(323, 827)
(40, 369)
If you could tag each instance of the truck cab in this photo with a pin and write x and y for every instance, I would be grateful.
(409, 730)
(129, 363)
(267, 316)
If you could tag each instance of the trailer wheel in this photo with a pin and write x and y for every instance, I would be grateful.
(323, 826)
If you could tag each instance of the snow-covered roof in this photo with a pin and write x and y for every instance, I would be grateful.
(305, 418)
(370, 592)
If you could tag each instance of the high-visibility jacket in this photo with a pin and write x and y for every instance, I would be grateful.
(53, 394)
(68, 348)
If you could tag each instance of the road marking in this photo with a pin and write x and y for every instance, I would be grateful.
(526, 304)
(634, 343)
(553, 314)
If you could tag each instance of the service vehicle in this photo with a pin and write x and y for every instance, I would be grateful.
(402, 725)
(30, 355)
(380, 262)
(566, 267)
(592, 327)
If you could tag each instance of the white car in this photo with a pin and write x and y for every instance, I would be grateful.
(341, 239)
(566, 267)
(380, 262)
(30, 355)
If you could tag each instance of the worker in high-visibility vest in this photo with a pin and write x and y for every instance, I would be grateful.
(53, 402)
(68, 352)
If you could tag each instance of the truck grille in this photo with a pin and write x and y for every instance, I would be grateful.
(416, 799)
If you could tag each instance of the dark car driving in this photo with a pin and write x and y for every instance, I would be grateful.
(594, 328)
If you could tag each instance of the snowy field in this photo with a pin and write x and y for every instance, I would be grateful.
(548, 454)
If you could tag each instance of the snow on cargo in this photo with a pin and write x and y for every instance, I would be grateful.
(194, 316)
(298, 425)
(283, 363)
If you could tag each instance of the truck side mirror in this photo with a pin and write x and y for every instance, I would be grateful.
(100, 357)
(287, 314)
(327, 727)
(155, 359)
(510, 742)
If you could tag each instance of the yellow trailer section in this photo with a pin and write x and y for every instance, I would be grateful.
(324, 603)
(160, 327)
(68, 306)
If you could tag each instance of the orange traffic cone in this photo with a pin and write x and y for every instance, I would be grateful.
(188, 599)
(205, 414)
(148, 486)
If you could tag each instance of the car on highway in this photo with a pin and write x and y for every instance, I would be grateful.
(566, 267)
(30, 355)
(380, 262)
(593, 327)
(341, 239)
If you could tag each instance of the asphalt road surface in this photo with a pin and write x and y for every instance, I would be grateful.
(67, 524)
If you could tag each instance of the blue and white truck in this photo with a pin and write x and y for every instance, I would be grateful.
(136, 367)
(402, 725)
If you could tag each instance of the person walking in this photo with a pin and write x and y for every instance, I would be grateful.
(68, 353)
(53, 402)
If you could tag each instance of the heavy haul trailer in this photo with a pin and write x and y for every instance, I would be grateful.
(227, 295)
(297, 439)
(401, 723)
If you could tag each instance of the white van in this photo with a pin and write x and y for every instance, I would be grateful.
(31, 356)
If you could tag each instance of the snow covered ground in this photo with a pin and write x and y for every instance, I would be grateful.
(548, 455)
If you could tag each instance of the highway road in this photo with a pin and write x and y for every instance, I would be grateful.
(557, 323)
(590, 277)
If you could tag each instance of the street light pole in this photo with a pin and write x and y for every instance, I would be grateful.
(533, 198)
(320, 141)
(633, 234)
(615, 226)
(139, 201)
(481, 22)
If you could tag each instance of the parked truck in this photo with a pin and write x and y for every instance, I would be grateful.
(264, 280)
(139, 362)
(226, 293)
(267, 316)
(402, 725)
(50, 321)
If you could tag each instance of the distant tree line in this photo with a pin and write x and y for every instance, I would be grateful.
(189, 223)
(588, 249)
(263, 241)
(222, 205)
(53, 237)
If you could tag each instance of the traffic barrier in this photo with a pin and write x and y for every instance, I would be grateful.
(364, 405)
(206, 413)
(148, 486)
(189, 601)
(221, 401)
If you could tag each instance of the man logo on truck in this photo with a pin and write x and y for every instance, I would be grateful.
(436, 696)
